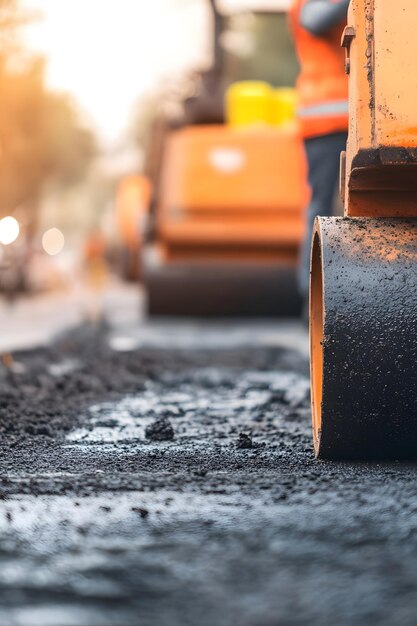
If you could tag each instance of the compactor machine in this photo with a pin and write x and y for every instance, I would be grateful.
(229, 198)
(363, 303)
(131, 211)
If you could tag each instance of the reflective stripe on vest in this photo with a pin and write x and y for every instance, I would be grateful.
(327, 109)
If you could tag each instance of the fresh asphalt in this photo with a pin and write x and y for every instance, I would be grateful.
(164, 475)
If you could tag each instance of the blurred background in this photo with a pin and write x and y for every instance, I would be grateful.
(153, 143)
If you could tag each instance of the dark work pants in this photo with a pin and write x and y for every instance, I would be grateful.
(323, 159)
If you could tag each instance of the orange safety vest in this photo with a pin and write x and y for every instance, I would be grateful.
(322, 85)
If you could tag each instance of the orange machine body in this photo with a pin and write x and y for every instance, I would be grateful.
(363, 294)
(233, 192)
(132, 206)
(379, 169)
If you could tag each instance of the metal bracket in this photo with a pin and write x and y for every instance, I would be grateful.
(348, 36)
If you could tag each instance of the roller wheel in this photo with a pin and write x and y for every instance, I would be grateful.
(221, 289)
(363, 336)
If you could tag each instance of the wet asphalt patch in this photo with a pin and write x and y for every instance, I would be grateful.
(177, 486)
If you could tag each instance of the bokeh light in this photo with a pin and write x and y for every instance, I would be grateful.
(53, 241)
(9, 230)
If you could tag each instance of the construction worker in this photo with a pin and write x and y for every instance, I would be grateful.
(322, 89)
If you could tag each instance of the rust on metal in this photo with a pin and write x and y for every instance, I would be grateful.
(370, 60)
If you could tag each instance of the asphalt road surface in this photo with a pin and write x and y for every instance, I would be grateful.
(163, 474)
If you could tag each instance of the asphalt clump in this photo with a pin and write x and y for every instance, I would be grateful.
(160, 430)
(244, 442)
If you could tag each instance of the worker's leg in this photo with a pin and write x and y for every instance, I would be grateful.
(323, 158)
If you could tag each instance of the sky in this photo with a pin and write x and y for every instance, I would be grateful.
(109, 53)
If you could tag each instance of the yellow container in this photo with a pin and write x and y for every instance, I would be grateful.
(284, 105)
(249, 103)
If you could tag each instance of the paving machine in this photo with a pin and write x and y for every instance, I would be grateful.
(364, 266)
(228, 210)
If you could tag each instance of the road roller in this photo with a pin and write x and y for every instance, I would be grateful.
(363, 290)
(131, 209)
(230, 194)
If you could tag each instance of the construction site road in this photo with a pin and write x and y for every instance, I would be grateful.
(162, 473)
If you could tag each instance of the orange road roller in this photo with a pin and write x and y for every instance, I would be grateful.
(229, 222)
(131, 207)
(227, 213)
(363, 304)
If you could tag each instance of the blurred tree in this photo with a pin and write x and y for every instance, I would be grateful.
(10, 19)
(41, 137)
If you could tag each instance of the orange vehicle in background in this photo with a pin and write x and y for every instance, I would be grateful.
(228, 208)
(132, 206)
